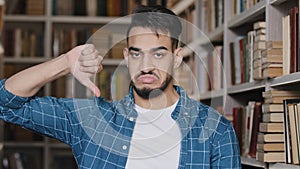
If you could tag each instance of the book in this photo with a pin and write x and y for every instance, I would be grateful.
(271, 127)
(270, 137)
(232, 63)
(259, 25)
(281, 93)
(270, 157)
(35, 7)
(261, 32)
(260, 37)
(237, 60)
(249, 118)
(91, 7)
(279, 99)
(293, 134)
(272, 52)
(251, 36)
(273, 117)
(298, 38)
(274, 44)
(270, 147)
(101, 7)
(272, 72)
(270, 107)
(289, 125)
(294, 46)
(272, 59)
(257, 54)
(239, 124)
(259, 45)
(286, 44)
(256, 119)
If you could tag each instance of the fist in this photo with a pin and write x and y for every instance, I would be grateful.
(84, 62)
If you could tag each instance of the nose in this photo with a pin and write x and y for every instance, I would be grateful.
(147, 64)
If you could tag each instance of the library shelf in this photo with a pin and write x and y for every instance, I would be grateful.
(277, 2)
(245, 87)
(24, 18)
(90, 19)
(282, 165)
(285, 80)
(253, 162)
(29, 144)
(217, 34)
(248, 15)
(36, 60)
(211, 94)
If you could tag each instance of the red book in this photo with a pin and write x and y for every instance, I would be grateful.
(238, 118)
(235, 114)
(255, 128)
(294, 45)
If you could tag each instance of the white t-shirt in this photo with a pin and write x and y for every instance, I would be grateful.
(156, 140)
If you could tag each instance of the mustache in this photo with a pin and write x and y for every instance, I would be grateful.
(146, 73)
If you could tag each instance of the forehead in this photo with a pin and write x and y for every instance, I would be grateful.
(146, 36)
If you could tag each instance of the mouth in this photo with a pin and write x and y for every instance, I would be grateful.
(146, 79)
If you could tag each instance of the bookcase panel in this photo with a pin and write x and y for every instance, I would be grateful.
(61, 158)
(239, 19)
(24, 157)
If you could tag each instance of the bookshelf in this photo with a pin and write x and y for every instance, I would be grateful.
(236, 24)
(38, 28)
(226, 29)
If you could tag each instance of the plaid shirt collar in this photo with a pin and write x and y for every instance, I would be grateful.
(185, 113)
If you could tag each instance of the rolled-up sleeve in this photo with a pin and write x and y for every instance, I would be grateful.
(46, 115)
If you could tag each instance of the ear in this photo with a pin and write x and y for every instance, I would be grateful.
(125, 54)
(178, 55)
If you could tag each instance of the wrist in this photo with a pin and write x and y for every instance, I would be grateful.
(64, 64)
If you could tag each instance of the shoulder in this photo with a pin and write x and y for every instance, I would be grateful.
(213, 122)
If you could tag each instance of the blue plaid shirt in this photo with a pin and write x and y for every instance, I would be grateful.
(99, 132)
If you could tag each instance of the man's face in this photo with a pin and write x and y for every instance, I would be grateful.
(150, 61)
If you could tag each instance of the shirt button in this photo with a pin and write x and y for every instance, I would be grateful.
(131, 119)
(124, 147)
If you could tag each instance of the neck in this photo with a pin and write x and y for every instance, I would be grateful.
(167, 98)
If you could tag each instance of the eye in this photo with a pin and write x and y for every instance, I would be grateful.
(158, 55)
(135, 54)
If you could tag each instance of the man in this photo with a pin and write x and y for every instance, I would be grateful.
(155, 126)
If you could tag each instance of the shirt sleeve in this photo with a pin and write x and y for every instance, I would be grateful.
(46, 115)
(226, 153)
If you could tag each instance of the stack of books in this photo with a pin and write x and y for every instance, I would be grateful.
(292, 127)
(259, 46)
(272, 59)
(271, 144)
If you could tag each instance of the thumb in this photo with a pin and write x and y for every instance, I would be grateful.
(91, 86)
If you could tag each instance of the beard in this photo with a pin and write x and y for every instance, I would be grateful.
(148, 93)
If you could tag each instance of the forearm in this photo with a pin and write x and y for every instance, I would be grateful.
(28, 82)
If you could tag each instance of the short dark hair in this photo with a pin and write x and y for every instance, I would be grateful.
(157, 18)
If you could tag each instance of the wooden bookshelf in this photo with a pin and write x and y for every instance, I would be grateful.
(239, 24)
(46, 22)
(221, 34)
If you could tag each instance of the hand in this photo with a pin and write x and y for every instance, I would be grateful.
(84, 62)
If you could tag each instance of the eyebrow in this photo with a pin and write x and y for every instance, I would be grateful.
(151, 50)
